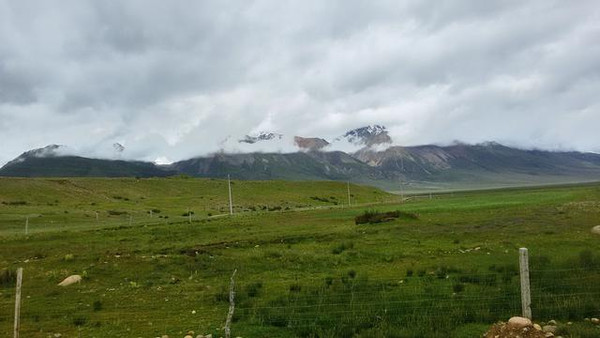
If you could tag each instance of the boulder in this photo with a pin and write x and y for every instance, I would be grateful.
(537, 327)
(549, 328)
(595, 321)
(70, 280)
(596, 230)
(520, 322)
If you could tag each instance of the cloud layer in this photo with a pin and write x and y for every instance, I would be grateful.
(175, 79)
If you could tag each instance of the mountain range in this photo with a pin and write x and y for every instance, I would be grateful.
(378, 162)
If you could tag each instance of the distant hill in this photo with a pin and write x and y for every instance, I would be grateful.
(395, 168)
(75, 166)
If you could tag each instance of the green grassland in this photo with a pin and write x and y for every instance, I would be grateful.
(304, 268)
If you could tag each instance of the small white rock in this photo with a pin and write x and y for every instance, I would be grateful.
(549, 328)
(519, 322)
(537, 327)
(595, 321)
(70, 280)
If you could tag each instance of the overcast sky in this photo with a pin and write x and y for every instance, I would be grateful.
(174, 79)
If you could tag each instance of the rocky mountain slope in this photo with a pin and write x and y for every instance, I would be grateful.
(394, 168)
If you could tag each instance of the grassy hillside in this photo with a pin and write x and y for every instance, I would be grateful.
(450, 271)
(64, 203)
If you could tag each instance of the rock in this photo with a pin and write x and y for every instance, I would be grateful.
(569, 323)
(537, 327)
(164, 336)
(595, 321)
(188, 336)
(549, 334)
(502, 330)
(552, 322)
(549, 328)
(519, 322)
(596, 230)
(70, 280)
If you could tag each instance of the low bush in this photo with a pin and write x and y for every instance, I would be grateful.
(15, 203)
(8, 277)
(373, 216)
(338, 249)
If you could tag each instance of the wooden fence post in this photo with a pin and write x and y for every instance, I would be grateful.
(18, 302)
(231, 306)
(525, 287)
(27, 225)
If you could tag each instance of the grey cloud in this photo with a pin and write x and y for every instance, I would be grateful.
(177, 78)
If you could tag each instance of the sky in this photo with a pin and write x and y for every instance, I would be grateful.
(170, 80)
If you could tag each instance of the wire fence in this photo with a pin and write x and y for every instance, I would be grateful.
(335, 305)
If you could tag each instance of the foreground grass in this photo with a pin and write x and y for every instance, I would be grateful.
(450, 272)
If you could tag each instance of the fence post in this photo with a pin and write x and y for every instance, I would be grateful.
(18, 302)
(525, 287)
(27, 225)
(231, 306)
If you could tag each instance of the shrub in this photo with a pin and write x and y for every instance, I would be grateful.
(8, 277)
(373, 216)
(587, 259)
(79, 321)
(97, 306)
(253, 289)
(15, 203)
(458, 288)
(338, 249)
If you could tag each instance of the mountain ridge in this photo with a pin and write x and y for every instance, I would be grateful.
(417, 166)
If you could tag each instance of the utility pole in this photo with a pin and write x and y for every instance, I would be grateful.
(348, 193)
(401, 193)
(230, 198)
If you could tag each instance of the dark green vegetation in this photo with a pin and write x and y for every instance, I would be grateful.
(372, 216)
(451, 272)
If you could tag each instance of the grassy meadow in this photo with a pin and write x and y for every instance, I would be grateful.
(304, 268)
